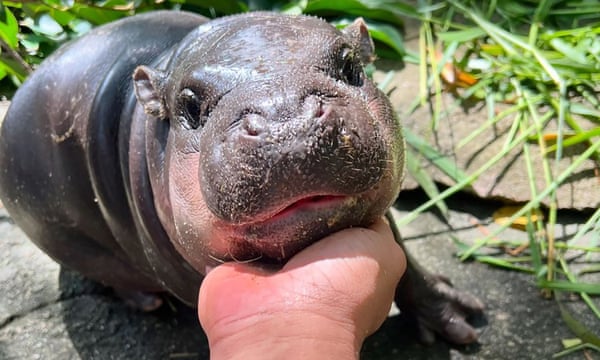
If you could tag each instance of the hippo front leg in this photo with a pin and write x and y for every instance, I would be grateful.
(434, 303)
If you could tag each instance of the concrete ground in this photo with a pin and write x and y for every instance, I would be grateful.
(51, 313)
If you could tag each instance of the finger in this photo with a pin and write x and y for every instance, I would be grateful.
(215, 296)
(376, 242)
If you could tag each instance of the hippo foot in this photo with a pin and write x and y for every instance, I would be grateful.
(139, 300)
(439, 308)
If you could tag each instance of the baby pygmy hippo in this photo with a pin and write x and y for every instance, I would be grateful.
(163, 144)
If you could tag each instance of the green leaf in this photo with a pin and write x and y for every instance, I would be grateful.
(63, 17)
(580, 109)
(13, 4)
(9, 29)
(116, 3)
(222, 6)
(97, 16)
(387, 11)
(80, 27)
(13, 68)
(3, 71)
(54, 2)
(383, 33)
(388, 35)
(567, 343)
(46, 25)
(31, 42)
(295, 8)
(3, 13)
(569, 51)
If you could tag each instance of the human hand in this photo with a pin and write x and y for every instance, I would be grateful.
(322, 304)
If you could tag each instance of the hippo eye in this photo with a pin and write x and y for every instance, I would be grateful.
(191, 109)
(350, 70)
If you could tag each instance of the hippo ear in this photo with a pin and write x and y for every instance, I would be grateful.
(359, 35)
(149, 87)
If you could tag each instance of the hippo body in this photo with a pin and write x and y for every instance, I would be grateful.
(161, 145)
(70, 182)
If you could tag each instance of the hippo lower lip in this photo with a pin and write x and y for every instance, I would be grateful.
(308, 203)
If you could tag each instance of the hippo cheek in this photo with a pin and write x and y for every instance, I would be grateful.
(192, 229)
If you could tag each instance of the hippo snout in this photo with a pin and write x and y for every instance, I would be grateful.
(271, 156)
(255, 122)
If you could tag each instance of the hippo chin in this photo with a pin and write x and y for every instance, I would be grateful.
(161, 145)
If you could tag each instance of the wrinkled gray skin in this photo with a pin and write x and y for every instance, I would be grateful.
(244, 138)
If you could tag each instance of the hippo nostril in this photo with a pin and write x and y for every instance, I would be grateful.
(314, 106)
(320, 111)
(253, 124)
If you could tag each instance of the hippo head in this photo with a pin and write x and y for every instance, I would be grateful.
(270, 137)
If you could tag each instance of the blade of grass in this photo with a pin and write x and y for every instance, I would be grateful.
(423, 178)
(584, 294)
(583, 110)
(592, 221)
(576, 139)
(494, 261)
(534, 249)
(423, 89)
(578, 287)
(491, 122)
(441, 161)
(463, 183)
(575, 348)
(434, 76)
(590, 270)
(536, 201)
(533, 114)
(507, 40)
(462, 36)
(507, 263)
(580, 330)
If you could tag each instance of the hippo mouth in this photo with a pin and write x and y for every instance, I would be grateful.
(308, 203)
(284, 230)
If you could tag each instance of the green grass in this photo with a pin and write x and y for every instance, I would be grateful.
(548, 70)
(540, 60)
